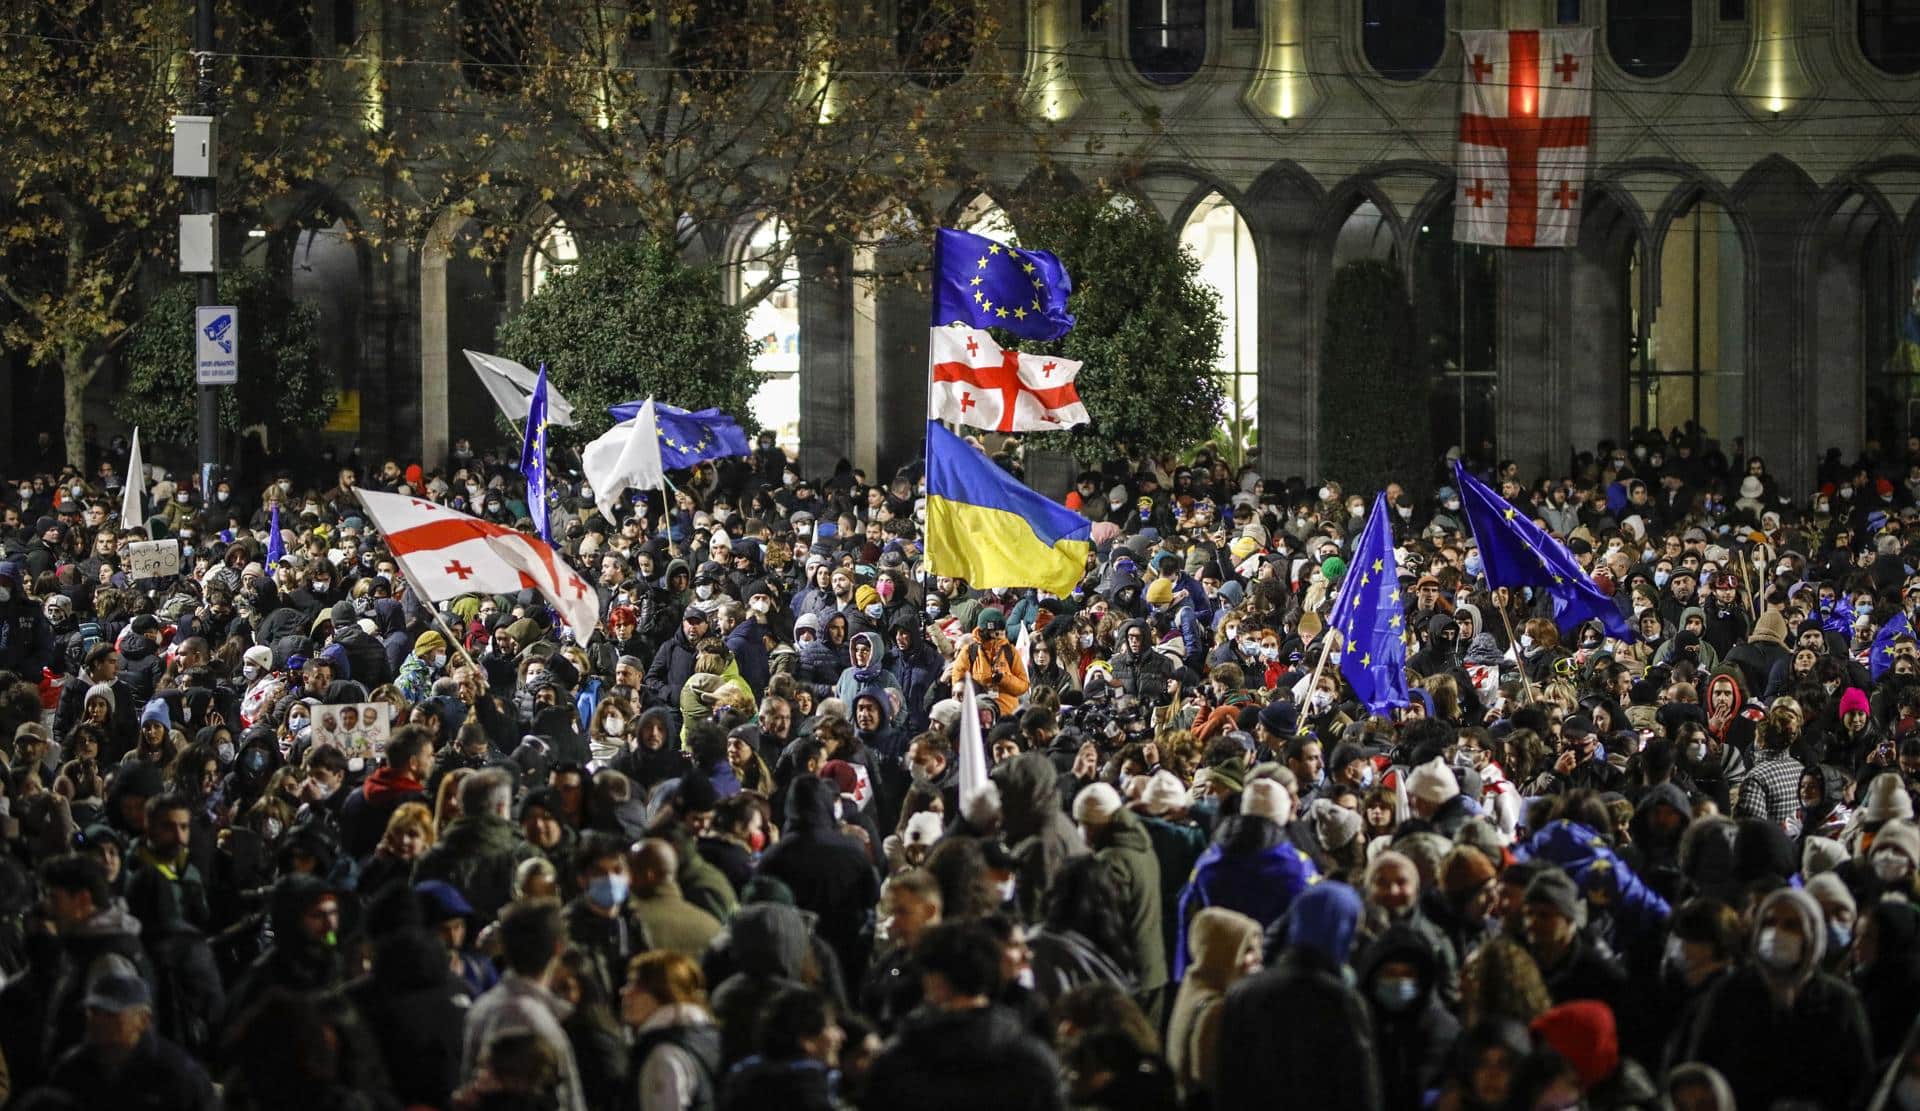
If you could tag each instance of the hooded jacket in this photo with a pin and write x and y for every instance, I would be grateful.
(1218, 939)
(1412, 1038)
(1127, 852)
(916, 668)
(1143, 674)
(854, 680)
(294, 961)
(414, 1007)
(965, 1060)
(827, 871)
(767, 943)
(1037, 829)
(1298, 1027)
(1635, 910)
(1787, 1033)
(363, 817)
(477, 853)
(1250, 867)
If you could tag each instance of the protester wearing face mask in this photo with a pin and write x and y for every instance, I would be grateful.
(1411, 1028)
(1778, 1028)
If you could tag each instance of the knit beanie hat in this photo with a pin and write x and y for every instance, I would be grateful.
(1160, 592)
(1266, 798)
(1900, 834)
(428, 642)
(1432, 782)
(1853, 698)
(1555, 888)
(1887, 799)
(1163, 793)
(1096, 804)
(1335, 825)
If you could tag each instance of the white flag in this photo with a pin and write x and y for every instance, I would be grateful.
(1526, 137)
(445, 553)
(512, 384)
(132, 513)
(977, 383)
(973, 751)
(626, 457)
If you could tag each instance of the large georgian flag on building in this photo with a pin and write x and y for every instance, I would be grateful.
(446, 553)
(977, 383)
(1526, 136)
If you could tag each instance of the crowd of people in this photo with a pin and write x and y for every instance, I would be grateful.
(715, 852)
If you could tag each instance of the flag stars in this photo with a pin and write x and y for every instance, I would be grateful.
(1001, 313)
(974, 281)
(982, 264)
(978, 296)
(1509, 513)
(1379, 565)
(988, 305)
(1028, 267)
(1019, 314)
(994, 250)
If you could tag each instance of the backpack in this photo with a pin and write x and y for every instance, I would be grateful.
(702, 1043)
(81, 641)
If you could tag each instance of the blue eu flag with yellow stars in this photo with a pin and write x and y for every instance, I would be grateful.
(689, 437)
(1371, 618)
(990, 285)
(1517, 553)
(533, 457)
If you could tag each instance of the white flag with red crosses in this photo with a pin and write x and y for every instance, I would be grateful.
(977, 383)
(446, 553)
(1526, 137)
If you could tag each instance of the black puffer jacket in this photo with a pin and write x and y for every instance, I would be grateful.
(827, 871)
(962, 1061)
(414, 1007)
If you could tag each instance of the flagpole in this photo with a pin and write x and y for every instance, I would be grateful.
(1333, 635)
(1513, 640)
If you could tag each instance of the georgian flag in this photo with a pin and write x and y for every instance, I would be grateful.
(976, 383)
(1526, 137)
(446, 553)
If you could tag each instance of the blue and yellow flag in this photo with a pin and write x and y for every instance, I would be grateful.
(985, 527)
(1371, 618)
(533, 457)
(1518, 553)
(990, 285)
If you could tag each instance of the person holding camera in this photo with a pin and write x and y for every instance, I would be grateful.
(993, 664)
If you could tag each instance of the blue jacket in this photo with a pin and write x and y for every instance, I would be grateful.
(1251, 867)
(1607, 882)
(750, 653)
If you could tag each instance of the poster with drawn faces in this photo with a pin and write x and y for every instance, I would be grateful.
(359, 729)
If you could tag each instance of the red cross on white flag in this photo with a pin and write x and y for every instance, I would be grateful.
(1526, 137)
(446, 553)
(977, 383)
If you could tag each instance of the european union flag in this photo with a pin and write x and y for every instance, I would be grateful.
(990, 285)
(1370, 616)
(1880, 657)
(1518, 553)
(533, 457)
(686, 437)
(276, 547)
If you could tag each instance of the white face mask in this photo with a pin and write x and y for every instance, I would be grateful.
(703, 592)
(760, 605)
(614, 725)
(1005, 890)
(1320, 700)
(251, 671)
(1698, 751)
(1891, 867)
(1780, 950)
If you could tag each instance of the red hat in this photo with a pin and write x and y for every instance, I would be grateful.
(414, 475)
(1583, 1032)
(1882, 487)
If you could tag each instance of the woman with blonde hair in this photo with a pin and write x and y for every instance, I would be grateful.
(409, 834)
(446, 798)
(1501, 980)
(676, 1047)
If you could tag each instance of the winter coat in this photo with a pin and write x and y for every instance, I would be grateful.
(1413, 1040)
(413, 1007)
(478, 854)
(158, 1075)
(964, 1061)
(1250, 867)
(759, 1082)
(1064, 959)
(767, 944)
(1037, 829)
(1298, 1027)
(827, 871)
(1636, 910)
(1127, 853)
(1177, 845)
(1218, 940)
(671, 668)
(853, 681)
(1816, 1049)
(363, 817)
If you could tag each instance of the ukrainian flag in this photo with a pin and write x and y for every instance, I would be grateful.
(985, 527)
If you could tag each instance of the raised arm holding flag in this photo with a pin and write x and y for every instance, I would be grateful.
(1518, 553)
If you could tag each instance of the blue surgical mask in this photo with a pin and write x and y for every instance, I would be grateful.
(1474, 565)
(1395, 993)
(1660, 578)
(1838, 937)
(607, 892)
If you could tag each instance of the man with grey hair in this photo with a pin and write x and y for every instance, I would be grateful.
(480, 849)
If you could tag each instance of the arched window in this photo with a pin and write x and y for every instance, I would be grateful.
(553, 252)
(934, 39)
(1219, 238)
(1649, 38)
(1456, 305)
(1890, 35)
(1403, 39)
(766, 265)
(1167, 38)
(983, 216)
(1692, 369)
(1366, 233)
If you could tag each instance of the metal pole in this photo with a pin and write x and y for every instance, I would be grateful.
(204, 199)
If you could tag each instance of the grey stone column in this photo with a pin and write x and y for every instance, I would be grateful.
(1532, 420)
(1286, 221)
(1774, 203)
(900, 357)
(826, 360)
